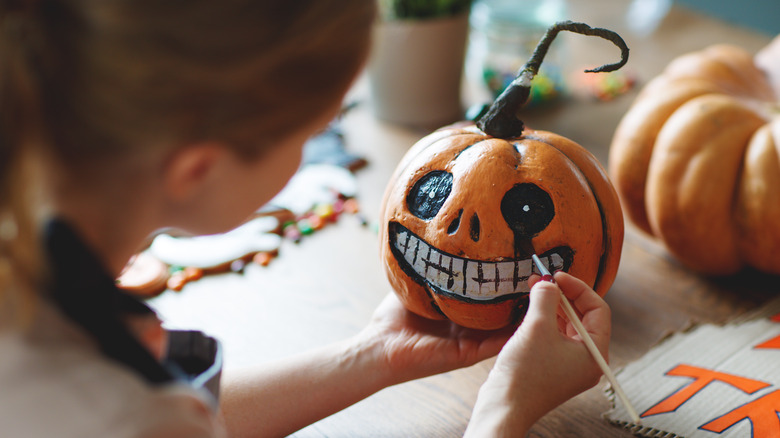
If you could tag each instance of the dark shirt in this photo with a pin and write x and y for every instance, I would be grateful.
(85, 292)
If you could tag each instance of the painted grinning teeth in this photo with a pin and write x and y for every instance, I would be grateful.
(473, 279)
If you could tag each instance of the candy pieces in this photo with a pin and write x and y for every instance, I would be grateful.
(182, 276)
(319, 217)
(173, 261)
(144, 276)
(316, 196)
(607, 86)
(315, 184)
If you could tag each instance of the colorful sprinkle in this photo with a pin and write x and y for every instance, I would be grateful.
(192, 273)
(177, 280)
(324, 211)
(293, 233)
(263, 258)
(338, 206)
(238, 265)
(305, 226)
(316, 222)
(351, 206)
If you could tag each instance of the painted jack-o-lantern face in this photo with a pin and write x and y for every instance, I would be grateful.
(467, 208)
(465, 211)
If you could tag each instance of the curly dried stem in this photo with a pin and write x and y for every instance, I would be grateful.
(501, 118)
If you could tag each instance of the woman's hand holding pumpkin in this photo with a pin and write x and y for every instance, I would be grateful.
(542, 364)
(395, 347)
(409, 346)
(545, 363)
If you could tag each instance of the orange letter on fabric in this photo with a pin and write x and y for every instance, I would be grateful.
(762, 413)
(703, 377)
(774, 342)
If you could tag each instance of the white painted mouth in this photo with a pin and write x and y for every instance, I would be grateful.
(466, 279)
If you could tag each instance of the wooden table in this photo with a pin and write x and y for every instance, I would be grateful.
(326, 287)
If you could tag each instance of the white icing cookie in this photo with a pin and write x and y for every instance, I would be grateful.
(215, 250)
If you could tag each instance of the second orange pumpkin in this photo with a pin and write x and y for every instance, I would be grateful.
(696, 162)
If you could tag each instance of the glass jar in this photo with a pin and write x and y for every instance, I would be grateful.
(504, 34)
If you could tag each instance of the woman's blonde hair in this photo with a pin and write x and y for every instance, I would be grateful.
(93, 81)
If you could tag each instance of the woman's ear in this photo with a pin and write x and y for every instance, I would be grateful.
(189, 170)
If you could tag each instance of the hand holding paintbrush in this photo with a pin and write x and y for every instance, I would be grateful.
(588, 341)
(542, 366)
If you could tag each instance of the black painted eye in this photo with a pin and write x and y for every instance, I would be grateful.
(527, 209)
(429, 193)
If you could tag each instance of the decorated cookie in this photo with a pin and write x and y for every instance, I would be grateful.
(214, 252)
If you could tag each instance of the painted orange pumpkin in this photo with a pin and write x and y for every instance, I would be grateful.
(468, 206)
(465, 211)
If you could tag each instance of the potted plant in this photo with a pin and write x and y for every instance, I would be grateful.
(417, 60)
(421, 9)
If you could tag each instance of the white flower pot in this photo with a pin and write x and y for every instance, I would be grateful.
(415, 70)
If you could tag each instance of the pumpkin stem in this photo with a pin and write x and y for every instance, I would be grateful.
(501, 120)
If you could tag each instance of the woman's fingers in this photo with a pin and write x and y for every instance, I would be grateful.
(571, 286)
(545, 302)
(594, 311)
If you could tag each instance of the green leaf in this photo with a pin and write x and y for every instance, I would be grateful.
(421, 9)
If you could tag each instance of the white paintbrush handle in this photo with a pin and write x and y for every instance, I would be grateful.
(594, 351)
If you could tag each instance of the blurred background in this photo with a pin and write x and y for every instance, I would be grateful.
(760, 15)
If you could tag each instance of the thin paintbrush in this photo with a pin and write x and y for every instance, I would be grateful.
(594, 351)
